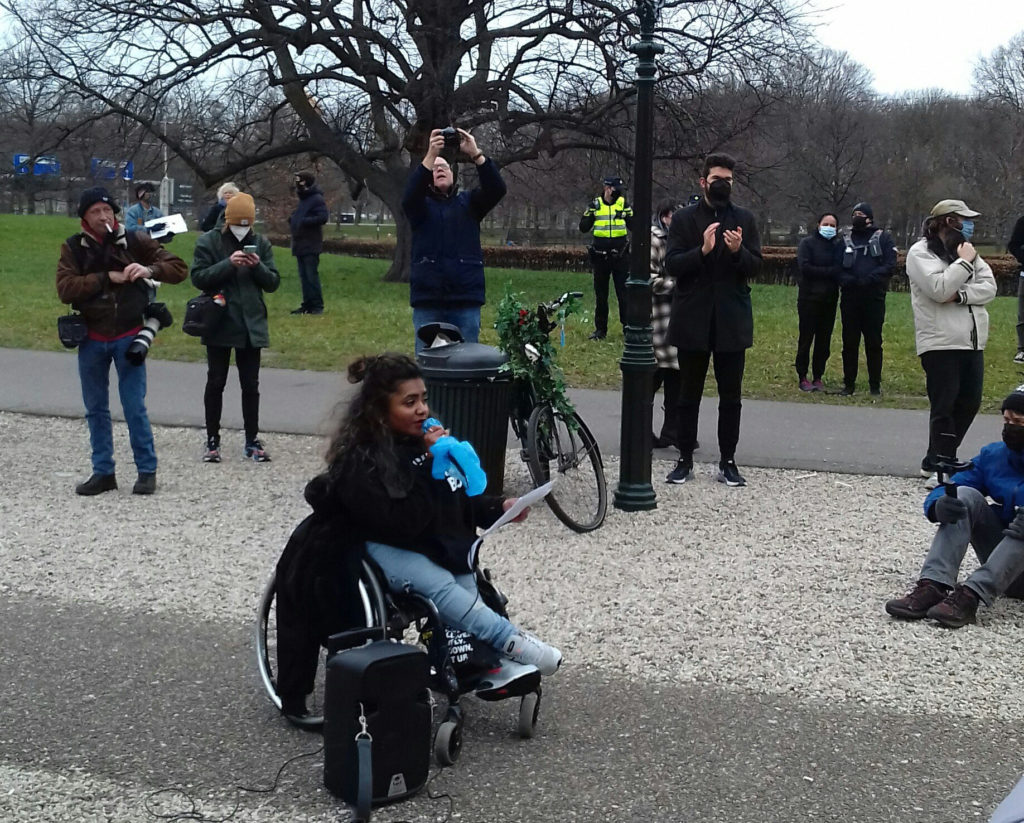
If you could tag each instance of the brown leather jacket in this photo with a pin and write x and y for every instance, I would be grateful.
(112, 309)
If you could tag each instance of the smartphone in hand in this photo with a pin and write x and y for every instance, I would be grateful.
(249, 249)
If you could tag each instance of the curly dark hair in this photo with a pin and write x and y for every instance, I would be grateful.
(364, 431)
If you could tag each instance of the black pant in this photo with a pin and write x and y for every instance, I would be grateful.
(954, 381)
(693, 370)
(863, 315)
(616, 267)
(1020, 312)
(670, 379)
(247, 361)
(817, 315)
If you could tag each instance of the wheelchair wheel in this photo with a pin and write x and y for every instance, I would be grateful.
(448, 742)
(529, 711)
(373, 609)
(568, 454)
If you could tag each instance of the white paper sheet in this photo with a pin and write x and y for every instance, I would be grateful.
(530, 498)
(173, 223)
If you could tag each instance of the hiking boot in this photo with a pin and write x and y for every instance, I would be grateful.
(846, 392)
(806, 385)
(97, 484)
(682, 473)
(1019, 357)
(915, 603)
(957, 609)
(817, 385)
(597, 335)
(254, 451)
(509, 679)
(212, 453)
(523, 647)
(729, 474)
(146, 484)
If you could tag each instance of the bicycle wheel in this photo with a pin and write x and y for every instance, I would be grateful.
(568, 455)
(373, 608)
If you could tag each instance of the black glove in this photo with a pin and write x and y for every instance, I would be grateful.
(1016, 527)
(950, 509)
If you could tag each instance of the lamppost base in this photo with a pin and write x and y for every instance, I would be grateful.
(635, 497)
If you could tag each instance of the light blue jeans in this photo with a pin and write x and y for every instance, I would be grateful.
(455, 595)
(466, 318)
(94, 359)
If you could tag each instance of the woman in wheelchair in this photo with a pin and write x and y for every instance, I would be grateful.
(418, 530)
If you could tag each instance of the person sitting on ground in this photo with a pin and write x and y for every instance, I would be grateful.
(996, 531)
(419, 531)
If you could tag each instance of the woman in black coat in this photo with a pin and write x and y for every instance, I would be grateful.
(819, 260)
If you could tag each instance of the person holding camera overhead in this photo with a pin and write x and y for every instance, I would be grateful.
(105, 273)
(238, 264)
(446, 282)
(611, 218)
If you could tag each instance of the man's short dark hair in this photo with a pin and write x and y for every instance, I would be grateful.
(720, 160)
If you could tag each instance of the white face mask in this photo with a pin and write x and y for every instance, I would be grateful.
(239, 231)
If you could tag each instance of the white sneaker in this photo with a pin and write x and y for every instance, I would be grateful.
(1019, 357)
(932, 481)
(525, 648)
(510, 679)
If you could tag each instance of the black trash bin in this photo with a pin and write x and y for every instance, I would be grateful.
(468, 394)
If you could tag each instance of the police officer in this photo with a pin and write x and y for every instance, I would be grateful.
(611, 218)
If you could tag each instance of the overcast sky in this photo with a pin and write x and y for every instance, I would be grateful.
(918, 44)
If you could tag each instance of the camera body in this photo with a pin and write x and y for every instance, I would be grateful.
(157, 317)
(452, 138)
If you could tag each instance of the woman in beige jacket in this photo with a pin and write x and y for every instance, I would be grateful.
(950, 285)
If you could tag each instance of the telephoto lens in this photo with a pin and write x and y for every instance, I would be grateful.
(157, 317)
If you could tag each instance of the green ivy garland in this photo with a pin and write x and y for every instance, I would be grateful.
(518, 327)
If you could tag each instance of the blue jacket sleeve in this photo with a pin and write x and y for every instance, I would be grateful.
(973, 477)
(490, 191)
(414, 199)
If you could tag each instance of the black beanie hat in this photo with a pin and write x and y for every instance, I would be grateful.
(91, 197)
(866, 208)
(1014, 400)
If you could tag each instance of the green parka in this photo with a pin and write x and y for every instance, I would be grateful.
(244, 323)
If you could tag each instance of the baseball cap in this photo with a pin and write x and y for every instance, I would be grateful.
(957, 207)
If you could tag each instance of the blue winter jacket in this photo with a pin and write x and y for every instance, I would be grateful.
(447, 261)
(307, 222)
(998, 472)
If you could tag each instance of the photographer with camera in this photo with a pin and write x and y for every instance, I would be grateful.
(446, 283)
(611, 218)
(105, 273)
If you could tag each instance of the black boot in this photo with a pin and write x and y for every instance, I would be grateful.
(146, 484)
(97, 484)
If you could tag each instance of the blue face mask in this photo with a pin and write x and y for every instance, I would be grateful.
(967, 229)
(828, 232)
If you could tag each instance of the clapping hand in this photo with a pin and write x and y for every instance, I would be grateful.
(733, 239)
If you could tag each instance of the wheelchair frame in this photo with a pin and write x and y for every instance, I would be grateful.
(393, 614)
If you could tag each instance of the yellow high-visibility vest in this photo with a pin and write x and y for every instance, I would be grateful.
(606, 224)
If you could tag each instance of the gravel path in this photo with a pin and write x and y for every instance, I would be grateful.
(775, 589)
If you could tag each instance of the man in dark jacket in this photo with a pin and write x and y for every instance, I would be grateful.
(995, 530)
(1016, 248)
(713, 248)
(869, 256)
(446, 283)
(307, 227)
(107, 273)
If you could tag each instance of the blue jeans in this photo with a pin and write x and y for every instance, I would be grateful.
(309, 278)
(455, 596)
(94, 358)
(466, 318)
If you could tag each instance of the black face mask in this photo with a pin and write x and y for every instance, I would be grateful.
(859, 223)
(719, 192)
(1013, 437)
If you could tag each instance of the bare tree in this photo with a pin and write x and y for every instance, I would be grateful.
(363, 82)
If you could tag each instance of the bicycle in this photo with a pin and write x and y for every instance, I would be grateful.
(556, 443)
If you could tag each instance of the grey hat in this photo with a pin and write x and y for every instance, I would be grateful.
(957, 207)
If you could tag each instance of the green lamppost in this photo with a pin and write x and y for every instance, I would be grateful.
(635, 492)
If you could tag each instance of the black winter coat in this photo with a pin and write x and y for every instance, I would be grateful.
(307, 221)
(819, 262)
(864, 274)
(711, 308)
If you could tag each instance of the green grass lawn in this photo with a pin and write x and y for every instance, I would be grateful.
(366, 315)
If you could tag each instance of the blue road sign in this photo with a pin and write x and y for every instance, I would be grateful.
(45, 165)
(100, 169)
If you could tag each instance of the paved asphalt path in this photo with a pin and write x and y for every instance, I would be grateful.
(825, 435)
